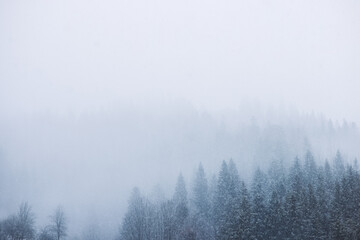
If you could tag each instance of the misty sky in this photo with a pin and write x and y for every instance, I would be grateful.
(70, 56)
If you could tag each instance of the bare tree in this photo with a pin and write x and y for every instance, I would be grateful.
(46, 234)
(21, 225)
(58, 223)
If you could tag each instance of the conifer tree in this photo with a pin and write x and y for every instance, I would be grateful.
(201, 206)
(234, 208)
(245, 213)
(275, 217)
(310, 168)
(200, 198)
(259, 211)
(339, 168)
(181, 206)
(221, 203)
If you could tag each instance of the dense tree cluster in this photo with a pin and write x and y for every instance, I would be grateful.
(304, 202)
(21, 226)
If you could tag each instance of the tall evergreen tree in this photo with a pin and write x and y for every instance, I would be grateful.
(221, 203)
(339, 167)
(245, 213)
(137, 224)
(259, 211)
(234, 208)
(324, 197)
(201, 206)
(134, 221)
(295, 201)
(275, 218)
(181, 206)
(200, 198)
(168, 220)
(310, 168)
(311, 215)
(337, 228)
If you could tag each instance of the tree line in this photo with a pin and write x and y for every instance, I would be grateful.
(305, 201)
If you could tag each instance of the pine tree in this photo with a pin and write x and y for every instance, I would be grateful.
(295, 201)
(213, 184)
(276, 178)
(221, 203)
(337, 228)
(311, 215)
(323, 196)
(339, 168)
(275, 217)
(310, 168)
(134, 221)
(296, 178)
(234, 208)
(200, 198)
(245, 213)
(350, 203)
(259, 211)
(181, 206)
(168, 220)
(201, 206)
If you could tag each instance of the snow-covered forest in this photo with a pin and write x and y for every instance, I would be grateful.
(306, 201)
(253, 104)
(149, 149)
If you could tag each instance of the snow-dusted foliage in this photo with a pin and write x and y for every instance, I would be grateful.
(305, 202)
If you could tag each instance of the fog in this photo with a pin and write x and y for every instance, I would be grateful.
(69, 56)
(90, 163)
(97, 97)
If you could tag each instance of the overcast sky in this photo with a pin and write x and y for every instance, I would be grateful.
(70, 56)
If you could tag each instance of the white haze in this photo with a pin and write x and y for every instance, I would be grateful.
(73, 55)
(99, 96)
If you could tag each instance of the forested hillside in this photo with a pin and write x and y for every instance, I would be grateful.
(89, 164)
(306, 201)
(100, 96)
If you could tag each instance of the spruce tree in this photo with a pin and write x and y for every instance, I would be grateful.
(181, 206)
(201, 206)
(259, 210)
(245, 213)
(221, 203)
